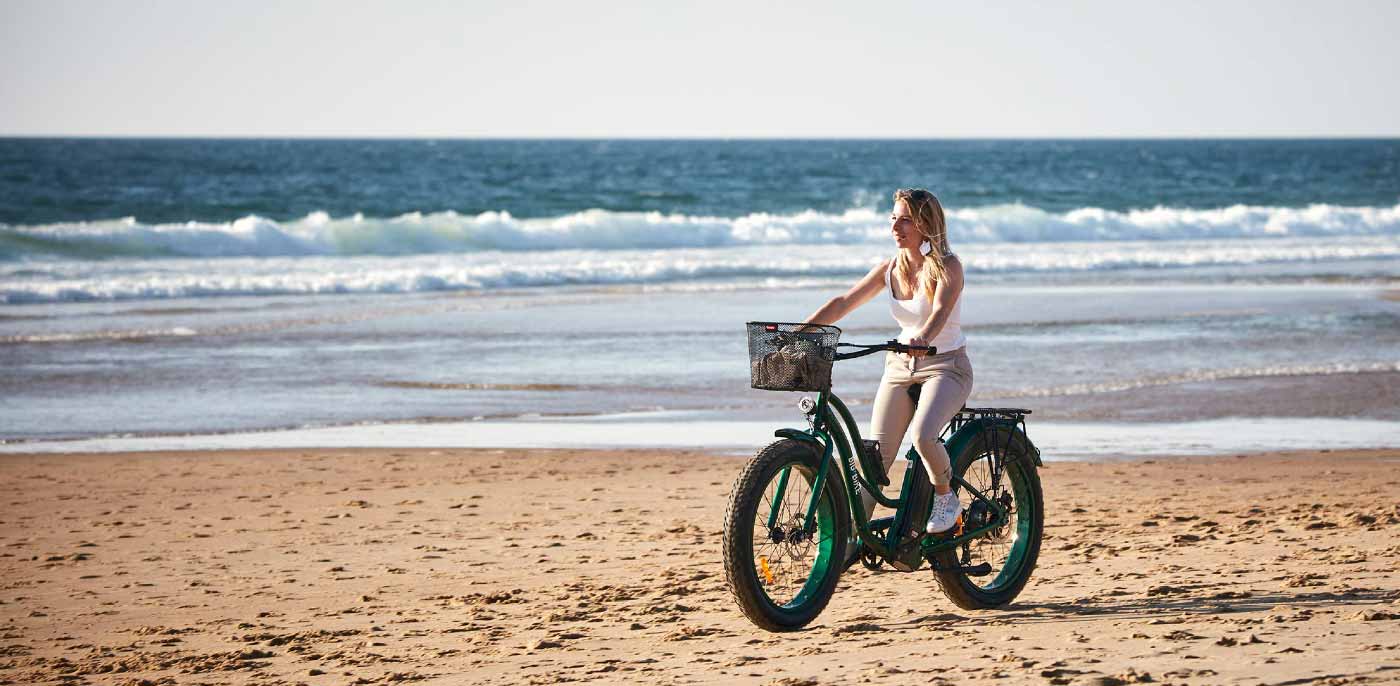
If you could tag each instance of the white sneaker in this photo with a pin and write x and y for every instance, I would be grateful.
(946, 509)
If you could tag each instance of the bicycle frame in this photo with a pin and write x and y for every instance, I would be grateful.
(834, 430)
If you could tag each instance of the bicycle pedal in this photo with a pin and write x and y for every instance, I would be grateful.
(958, 527)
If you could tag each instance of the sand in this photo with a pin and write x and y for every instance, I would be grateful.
(534, 567)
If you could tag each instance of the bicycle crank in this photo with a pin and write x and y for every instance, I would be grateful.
(980, 569)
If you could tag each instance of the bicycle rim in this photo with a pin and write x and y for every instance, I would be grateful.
(789, 563)
(1006, 548)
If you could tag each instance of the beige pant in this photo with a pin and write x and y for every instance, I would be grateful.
(947, 381)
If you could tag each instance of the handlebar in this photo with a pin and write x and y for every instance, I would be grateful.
(891, 346)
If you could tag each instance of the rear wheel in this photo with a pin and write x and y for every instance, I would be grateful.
(998, 464)
(780, 572)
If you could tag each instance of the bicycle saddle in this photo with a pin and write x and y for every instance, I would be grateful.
(914, 390)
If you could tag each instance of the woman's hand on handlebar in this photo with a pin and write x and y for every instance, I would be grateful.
(918, 347)
(914, 348)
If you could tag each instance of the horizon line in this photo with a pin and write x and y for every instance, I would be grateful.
(372, 137)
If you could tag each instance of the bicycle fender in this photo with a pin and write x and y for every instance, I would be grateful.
(959, 441)
(797, 435)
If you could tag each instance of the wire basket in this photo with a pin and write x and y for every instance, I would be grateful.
(791, 357)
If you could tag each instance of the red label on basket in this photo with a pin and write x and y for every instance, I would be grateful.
(770, 327)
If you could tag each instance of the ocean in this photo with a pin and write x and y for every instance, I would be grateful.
(213, 288)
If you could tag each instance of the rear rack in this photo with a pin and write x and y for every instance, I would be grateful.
(967, 414)
(1016, 415)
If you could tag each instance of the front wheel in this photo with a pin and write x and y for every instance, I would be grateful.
(999, 464)
(781, 572)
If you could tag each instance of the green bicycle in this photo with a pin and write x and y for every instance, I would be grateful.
(794, 505)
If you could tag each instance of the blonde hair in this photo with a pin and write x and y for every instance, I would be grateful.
(927, 214)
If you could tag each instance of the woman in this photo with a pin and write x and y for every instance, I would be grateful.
(923, 284)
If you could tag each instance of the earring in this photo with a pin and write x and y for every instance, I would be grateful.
(925, 248)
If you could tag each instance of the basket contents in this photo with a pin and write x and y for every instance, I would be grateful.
(791, 357)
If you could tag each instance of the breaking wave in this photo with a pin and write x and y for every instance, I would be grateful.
(37, 281)
(319, 234)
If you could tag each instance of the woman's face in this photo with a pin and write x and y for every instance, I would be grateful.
(906, 234)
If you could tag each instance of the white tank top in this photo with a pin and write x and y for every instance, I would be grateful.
(912, 313)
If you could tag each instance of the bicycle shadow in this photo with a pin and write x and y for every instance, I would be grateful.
(1114, 607)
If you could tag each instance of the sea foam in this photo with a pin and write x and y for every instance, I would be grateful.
(745, 266)
(449, 232)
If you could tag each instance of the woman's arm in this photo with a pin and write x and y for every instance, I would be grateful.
(868, 287)
(945, 295)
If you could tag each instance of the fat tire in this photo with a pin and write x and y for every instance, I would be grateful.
(957, 585)
(744, 501)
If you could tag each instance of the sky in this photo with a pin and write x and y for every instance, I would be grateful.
(570, 68)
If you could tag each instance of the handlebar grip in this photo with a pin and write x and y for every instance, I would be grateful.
(898, 347)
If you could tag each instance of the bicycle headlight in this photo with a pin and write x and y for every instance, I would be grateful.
(807, 405)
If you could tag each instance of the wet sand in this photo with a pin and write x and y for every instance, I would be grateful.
(482, 566)
(1361, 395)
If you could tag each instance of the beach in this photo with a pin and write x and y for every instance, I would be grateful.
(468, 411)
(445, 344)
(461, 566)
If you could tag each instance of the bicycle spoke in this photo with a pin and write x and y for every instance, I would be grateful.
(995, 548)
(783, 566)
